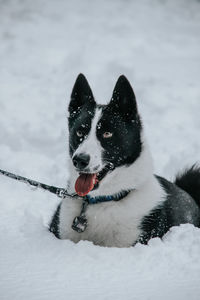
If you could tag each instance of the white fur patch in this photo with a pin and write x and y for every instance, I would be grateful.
(91, 146)
(112, 224)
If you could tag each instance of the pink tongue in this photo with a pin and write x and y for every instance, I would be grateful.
(85, 183)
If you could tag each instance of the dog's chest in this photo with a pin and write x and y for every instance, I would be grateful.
(109, 224)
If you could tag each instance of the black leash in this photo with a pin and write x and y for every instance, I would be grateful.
(80, 222)
(60, 192)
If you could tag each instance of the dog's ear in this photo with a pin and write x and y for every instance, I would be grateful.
(81, 94)
(123, 98)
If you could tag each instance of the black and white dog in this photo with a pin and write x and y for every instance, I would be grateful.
(111, 171)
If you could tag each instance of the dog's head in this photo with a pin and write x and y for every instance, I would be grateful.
(102, 137)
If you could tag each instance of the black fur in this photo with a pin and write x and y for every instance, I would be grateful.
(123, 100)
(81, 111)
(178, 208)
(121, 117)
(54, 225)
(189, 181)
(81, 94)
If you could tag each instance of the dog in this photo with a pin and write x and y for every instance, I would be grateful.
(120, 201)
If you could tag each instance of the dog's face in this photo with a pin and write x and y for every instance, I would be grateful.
(102, 135)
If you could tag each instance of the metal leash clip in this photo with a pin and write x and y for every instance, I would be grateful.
(61, 193)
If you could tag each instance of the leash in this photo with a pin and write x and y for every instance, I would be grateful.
(60, 192)
(80, 222)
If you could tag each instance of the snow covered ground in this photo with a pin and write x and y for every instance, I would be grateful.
(43, 47)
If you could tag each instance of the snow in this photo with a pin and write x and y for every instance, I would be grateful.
(44, 45)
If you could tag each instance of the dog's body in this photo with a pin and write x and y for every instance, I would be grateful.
(113, 134)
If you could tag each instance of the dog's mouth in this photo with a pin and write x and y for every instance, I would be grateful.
(87, 182)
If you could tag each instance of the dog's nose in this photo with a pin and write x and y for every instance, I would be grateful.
(81, 161)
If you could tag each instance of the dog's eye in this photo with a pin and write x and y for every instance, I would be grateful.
(107, 135)
(79, 133)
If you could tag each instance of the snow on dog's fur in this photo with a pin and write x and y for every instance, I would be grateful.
(113, 133)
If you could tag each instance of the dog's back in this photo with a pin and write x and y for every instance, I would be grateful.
(178, 208)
